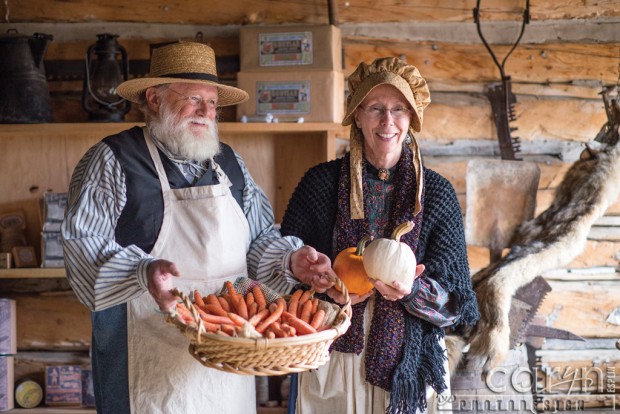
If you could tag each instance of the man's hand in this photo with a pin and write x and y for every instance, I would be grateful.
(159, 275)
(338, 297)
(312, 268)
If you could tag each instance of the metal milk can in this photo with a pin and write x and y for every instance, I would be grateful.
(24, 93)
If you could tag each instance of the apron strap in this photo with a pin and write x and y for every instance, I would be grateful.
(159, 166)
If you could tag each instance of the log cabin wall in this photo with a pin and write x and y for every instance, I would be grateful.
(570, 49)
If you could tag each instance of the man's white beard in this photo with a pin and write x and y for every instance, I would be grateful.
(180, 140)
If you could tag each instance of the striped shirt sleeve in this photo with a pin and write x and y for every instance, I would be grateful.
(101, 272)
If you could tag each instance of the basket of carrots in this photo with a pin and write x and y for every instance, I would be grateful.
(250, 329)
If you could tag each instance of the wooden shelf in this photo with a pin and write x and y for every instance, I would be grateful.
(32, 273)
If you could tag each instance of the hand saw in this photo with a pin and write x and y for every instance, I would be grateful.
(525, 303)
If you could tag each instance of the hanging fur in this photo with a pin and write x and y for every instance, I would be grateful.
(549, 241)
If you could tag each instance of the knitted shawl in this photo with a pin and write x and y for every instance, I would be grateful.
(312, 216)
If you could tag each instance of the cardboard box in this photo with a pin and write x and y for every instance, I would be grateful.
(315, 96)
(52, 254)
(88, 389)
(24, 256)
(52, 209)
(8, 327)
(6, 261)
(286, 48)
(63, 385)
(7, 384)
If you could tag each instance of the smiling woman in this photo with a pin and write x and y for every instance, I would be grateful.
(392, 357)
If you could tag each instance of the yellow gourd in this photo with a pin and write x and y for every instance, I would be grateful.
(349, 267)
(389, 259)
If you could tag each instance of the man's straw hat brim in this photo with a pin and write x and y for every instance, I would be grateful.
(186, 62)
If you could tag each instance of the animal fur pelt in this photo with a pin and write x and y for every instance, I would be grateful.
(549, 241)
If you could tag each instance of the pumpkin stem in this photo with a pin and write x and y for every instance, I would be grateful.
(402, 229)
(361, 245)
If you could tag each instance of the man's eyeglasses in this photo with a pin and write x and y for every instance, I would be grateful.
(197, 100)
(378, 112)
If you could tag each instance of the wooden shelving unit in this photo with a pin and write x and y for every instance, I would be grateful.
(32, 273)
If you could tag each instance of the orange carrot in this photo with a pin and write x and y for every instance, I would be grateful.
(210, 327)
(307, 295)
(198, 299)
(271, 318)
(258, 318)
(288, 329)
(184, 313)
(224, 303)
(237, 320)
(215, 309)
(240, 306)
(273, 306)
(252, 309)
(315, 305)
(214, 318)
(229, 329)
(317, 319)
(306, 311)
(249, 298)
(293, 302)
(211, 299)
(259, 297)
(303, 328)
(231, 289)
(269, 334)
(277, 329)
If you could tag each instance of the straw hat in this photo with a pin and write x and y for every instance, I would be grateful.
(187, 62)
(407, 79)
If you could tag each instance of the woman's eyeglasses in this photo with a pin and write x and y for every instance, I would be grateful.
(197, 100)
(378, 112)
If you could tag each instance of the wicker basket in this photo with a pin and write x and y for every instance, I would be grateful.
(262, 356)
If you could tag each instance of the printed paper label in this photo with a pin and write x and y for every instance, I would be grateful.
(283, 97)
(283, 49)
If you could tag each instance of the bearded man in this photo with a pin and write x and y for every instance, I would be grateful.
(164, 206)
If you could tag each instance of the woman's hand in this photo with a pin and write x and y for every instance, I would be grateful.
(397, 290)
(312, 268)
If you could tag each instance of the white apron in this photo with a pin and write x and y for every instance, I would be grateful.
(206, 234)
(340, 387)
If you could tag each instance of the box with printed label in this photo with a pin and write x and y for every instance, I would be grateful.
(282, 48)
(88, 389)
(315, 96)
(8, 325)
(63, 385)
(7, 383)
(52, 209)
(52, 254)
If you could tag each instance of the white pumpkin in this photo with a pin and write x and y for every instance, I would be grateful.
(389, 259)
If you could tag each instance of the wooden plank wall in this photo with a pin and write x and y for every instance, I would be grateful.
(569, 51)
